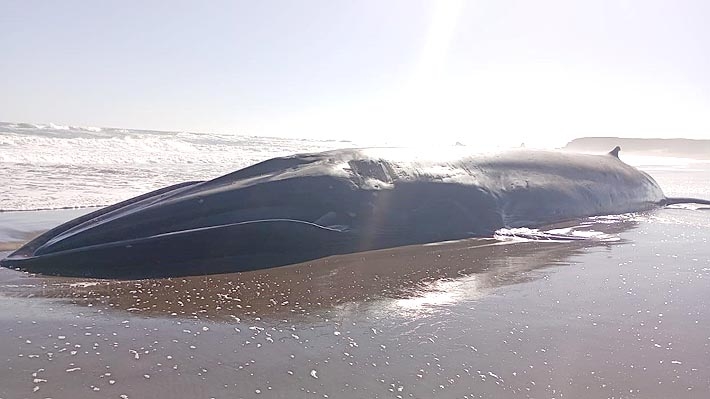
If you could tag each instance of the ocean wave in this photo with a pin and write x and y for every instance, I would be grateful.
(23, 125)
(58, 127)
(54, 126)
(59, 208)
(48, 167)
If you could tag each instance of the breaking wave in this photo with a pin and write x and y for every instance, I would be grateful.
(50, 166)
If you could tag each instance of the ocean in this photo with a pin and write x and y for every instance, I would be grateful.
(56, 167)
(624, 312)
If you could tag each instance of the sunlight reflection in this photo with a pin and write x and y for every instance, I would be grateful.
(437, 294)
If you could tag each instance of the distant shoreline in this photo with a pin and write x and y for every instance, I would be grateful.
(684, 148)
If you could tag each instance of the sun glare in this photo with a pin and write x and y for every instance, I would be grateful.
(492, 104)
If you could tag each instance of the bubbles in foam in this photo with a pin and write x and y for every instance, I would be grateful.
(583, 231)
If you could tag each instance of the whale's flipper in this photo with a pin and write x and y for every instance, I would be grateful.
(685, 200)
(615, 152)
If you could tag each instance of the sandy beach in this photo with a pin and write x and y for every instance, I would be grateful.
(620, 317)
(620, 313)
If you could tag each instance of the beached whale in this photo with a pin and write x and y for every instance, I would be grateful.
(302, 207)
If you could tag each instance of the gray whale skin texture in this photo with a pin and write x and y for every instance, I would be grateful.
(303, 207)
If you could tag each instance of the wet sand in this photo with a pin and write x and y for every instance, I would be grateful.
(473, 318)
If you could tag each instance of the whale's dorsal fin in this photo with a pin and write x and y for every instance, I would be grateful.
(615, 151)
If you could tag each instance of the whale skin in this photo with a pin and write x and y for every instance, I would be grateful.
(307, 206)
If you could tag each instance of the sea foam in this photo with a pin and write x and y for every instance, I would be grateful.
(56, 167)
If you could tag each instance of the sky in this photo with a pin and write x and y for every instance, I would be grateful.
(539, 72)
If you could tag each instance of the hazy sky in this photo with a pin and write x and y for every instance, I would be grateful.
(533, 71)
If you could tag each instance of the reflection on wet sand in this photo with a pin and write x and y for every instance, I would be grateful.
(463, 319)
(406, 279)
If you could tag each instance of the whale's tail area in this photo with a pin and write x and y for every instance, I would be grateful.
(668, 200)
(684, 200)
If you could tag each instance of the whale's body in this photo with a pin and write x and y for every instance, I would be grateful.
(297, 208)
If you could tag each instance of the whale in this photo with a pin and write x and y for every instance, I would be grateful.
(303, 207)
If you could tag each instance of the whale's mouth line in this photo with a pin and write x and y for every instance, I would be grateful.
(142, 240)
